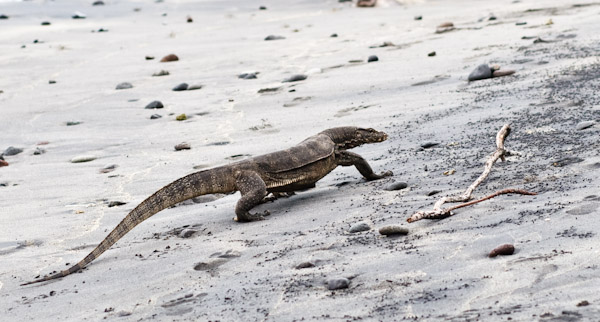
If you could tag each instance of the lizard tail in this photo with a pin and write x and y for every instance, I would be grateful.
(190, 186)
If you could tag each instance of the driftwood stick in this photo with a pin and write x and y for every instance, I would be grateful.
(439, 212)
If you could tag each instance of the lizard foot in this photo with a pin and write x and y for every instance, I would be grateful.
(248, 217)
(381, 175)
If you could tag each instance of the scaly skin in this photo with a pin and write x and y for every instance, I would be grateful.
(279, 173)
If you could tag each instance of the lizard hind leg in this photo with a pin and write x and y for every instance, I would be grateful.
(253, 190)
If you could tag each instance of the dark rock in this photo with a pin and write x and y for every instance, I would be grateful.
(338, 283)
(78, 15)
(566, 161)
(333, 35)
(11, 150)
(155, 116)
(169, 58)
(522, 23)
(116, 203)
(393, 230)
(358, 227)
(194, 87)
(431, 54)
(189, 19)
(491, 18)
(433, 192)
(155, 104)
(584, 125)
(418, 17)
(181, 87)
(396, 186)
(73, 123)
(182, 146)
(372, 58)
(274, 37)
(39, 151)
(262, 8)
(187, 233)
(428, 145)
(51, 82)
(98, 3)
(444, 27)
(102, 30)
(149, 57)
(268, 90)
(295, 78)
(583, 303)
(506, 249)
(161, 73)
(482, 71)
(181, 117)
(109, 168)
(124, 85)
(247, 76)
(3, 17)
(45, 23)
(305, 265)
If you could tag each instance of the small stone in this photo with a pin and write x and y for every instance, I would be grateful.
(180, 87)
(189, 19)
(154, 104)
(247, 75)
(393, 230)
(337, 283)
(155, 116)
(3, 163)
(522, 23)
(506, 249)
(372, 58)
(109, 168)
(194, 87)
(566, 161)
(360, 226)
(268, 90)
(149, 57)
(431, 54)
(305, 265)
(333, 35)
(124, 85)
(446, 25)
(295, 78)
(428, 145)
(274, 37)
(73, 123)
(396, 186)
(39, 151)
(482, 71)
(583, 303)
(584, 125)
(78, 15)
(45, 23)
(123, 313)
(492, 18)
(262, 8)
(98, 3)
(500, 73)
(3, 17)
(51, 82)
(116, 204)
(83, 158)
(418, 18)
(433, 192)
(11, 150)
(161, 73)
(181, 117)
(102, 30)
(182, 146)
(169, 58)
(187, 233)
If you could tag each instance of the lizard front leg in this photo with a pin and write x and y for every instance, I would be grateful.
(253, 190)
(347, 158)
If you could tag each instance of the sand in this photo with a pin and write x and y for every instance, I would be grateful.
(53, 211)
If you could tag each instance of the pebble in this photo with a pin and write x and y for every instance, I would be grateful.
(73, 123)
(295, 78)
(396, 186)
(155, 116)
(39, 151)
(482, 71)
(428, 145)
(393, 230)
(566, 161)
(506, 249)
(187, 233)
(431, 54)
(333, 35)
(181, 117)
(274, 37)
(161, 73)
(584, 125)
(78, 15)
(360, 226)
(45, 23)
(3, 17)
(182, 146)
(372, 58)
(169, 58)
(83, 158)
(268, 90)
(194, 87)
(522, 23)
(583, 303)
(155, 104)
(247, 75)
(116, 204)
(433, 192)
(98, 3)
(418, 17)
(149, 57)
(11, 150)
(189, 19)
(180, 87)
(337, 283)
(262, 8)
(444, 27)
(3, 163)
(51, 82)
(109, 168)
(124, 85)
(305, 265)
(500, 73)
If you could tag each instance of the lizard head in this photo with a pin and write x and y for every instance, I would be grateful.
(349, 137)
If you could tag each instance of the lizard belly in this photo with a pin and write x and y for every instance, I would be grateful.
(299, 178)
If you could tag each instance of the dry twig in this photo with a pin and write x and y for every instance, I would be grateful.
(438, 212)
